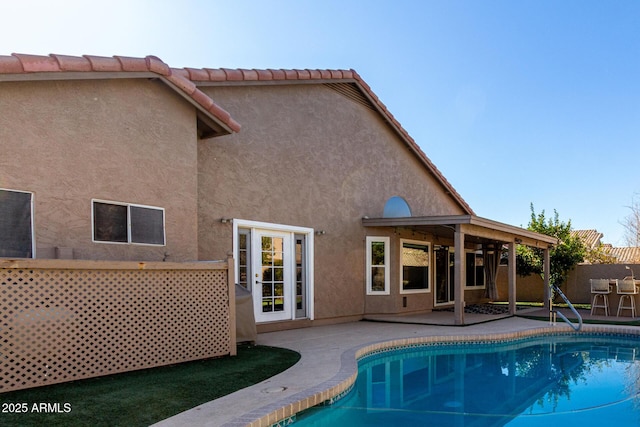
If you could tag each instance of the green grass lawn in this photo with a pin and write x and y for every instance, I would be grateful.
(144, 397)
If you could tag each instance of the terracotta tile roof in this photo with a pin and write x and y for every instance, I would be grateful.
(626, 255)
(620, 255)
(322, 76)
(591, 238)
(28, 64)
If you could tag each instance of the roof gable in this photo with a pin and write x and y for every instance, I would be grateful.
(25, 67)
(347, 82)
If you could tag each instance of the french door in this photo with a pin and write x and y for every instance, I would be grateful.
(444, 275)
(273, 281)
(275, 263)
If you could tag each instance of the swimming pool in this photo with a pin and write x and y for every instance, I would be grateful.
(586, 380)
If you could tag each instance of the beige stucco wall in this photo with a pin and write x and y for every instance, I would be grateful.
(577, 288)
(528, 289)
(307, 156)
(131, 141)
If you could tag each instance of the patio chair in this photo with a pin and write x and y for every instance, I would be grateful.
(627, 289)
(600, 289)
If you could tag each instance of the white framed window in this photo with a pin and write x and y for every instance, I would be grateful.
(115, 222)
(377, 274)
(16, 224)
(415, 262)
(474, 270)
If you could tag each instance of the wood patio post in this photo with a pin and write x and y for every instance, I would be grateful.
(459, 280)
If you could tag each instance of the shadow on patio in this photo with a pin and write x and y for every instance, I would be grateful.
(481, 313)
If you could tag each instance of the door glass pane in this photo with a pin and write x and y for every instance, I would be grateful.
(278, 274)
(272, 274)
(267, 290)
(443, 271)
(452, 275)
(300, 277)
(278, 289)
(277, 248)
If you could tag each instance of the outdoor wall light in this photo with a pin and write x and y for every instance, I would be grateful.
(320, 232)
(629, 268)
(226, 220)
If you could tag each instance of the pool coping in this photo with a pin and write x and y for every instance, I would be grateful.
(282, 413)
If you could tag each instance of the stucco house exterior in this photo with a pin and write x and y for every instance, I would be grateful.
(87, 143)
(329, 208)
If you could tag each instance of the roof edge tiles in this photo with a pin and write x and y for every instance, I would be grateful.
(19, 63)
(307, 75)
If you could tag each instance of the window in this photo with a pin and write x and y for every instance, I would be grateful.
(128, 223)
(377, 265)
(415, 267)
(475, 270)
(16, 224)
(243, 258)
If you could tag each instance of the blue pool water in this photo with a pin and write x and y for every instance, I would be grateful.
(558, 380)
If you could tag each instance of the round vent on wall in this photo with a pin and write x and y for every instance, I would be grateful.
(396, 207)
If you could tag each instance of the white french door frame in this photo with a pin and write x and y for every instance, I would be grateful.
(449, 285)
(291, 231)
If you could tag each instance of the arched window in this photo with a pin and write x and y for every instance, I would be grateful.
(396, 207)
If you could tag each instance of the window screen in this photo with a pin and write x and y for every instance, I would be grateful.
(110, 222)
(147, 225)
(16, 235)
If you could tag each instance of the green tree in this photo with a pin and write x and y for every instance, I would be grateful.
(599, 255)
(569, 251)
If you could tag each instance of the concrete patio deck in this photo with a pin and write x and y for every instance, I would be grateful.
(328, 365)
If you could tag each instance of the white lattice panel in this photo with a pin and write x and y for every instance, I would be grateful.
(63, 325)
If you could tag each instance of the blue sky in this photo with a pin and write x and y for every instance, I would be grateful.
(516, 102)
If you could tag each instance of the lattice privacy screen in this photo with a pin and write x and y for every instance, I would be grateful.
(63, 325)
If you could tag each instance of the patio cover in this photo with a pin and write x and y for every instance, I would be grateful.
(473, 230)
